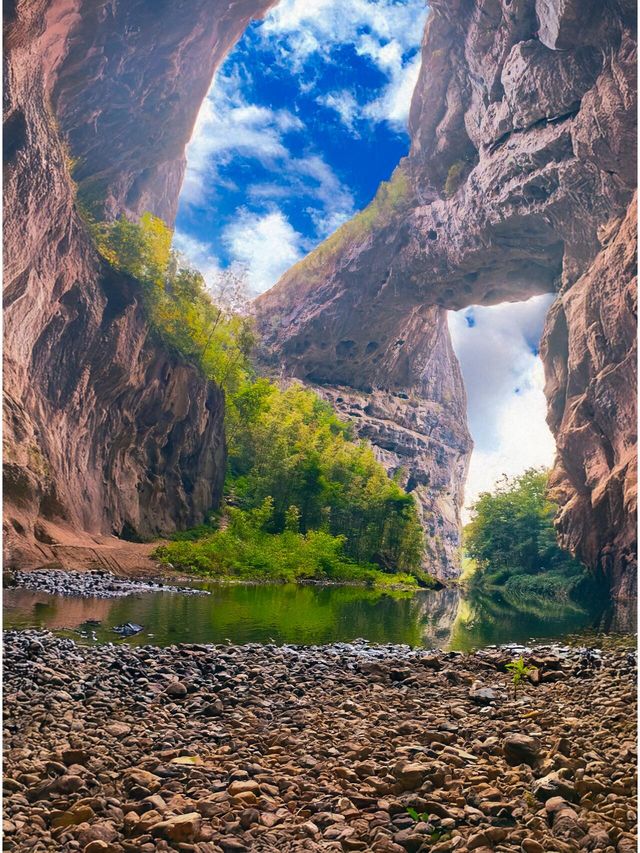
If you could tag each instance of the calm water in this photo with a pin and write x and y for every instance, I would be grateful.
(292, 614)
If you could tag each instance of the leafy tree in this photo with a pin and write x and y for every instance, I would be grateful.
(512, 541)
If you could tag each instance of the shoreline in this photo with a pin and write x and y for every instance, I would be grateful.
(230, 748)
(80, 582)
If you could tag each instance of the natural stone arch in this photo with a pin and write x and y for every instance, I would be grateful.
(518, 183)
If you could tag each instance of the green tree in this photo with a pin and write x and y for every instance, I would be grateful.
(512, 541)
(294, 467)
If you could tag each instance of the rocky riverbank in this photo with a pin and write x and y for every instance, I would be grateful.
(96, 584)
(344, 748)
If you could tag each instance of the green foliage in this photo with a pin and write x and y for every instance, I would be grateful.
(519, 671)
(292, 447)
(418, 816)
(176, 299)
(322, 497)
(246, 550)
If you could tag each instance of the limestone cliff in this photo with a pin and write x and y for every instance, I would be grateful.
(518, 182)
(106, 431)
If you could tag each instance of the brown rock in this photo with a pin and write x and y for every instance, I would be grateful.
(521, 749)
(183, 828)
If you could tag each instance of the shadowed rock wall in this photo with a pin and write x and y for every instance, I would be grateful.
(106, 431)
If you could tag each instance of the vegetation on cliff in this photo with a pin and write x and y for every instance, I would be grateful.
(306, 500)
(512, 543)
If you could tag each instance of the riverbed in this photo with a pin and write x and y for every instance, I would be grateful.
(294, 614)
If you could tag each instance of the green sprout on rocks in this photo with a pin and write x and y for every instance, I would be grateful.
(418, 817)
(519, 671)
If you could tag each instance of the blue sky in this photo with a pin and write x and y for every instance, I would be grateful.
(304, 119)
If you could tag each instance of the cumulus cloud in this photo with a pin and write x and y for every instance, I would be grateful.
(266, 245)
(228, 127)
(384, 31)
(498, 352)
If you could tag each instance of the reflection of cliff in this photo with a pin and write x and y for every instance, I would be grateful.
(55, 612)
(437, 614)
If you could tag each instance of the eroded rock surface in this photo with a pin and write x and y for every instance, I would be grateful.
(106, 431)
(519, 178)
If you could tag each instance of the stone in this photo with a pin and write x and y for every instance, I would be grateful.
(554, 785)
(176, 690)
(98, 847)
(521, 749)
(482, 695)
(182, 828)
(411, 775)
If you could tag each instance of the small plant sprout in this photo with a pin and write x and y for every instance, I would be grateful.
(519, 671)
(418, 817)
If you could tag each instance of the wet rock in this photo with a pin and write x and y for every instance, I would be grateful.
(129, 629)
(98, 584)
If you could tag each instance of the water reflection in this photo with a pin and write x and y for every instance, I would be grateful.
(296, 614)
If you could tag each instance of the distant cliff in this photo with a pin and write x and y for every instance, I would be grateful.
(520, 181)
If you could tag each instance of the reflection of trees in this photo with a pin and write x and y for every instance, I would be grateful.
(307, 615)
(486, 618)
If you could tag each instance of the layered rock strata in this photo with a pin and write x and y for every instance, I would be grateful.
(520, 181)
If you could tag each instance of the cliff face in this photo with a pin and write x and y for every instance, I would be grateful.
(518, 182)
(105, 430)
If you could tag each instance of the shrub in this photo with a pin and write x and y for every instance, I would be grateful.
(454, 178)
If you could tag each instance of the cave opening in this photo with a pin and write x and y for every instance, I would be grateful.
(304, 119)
(498, 351)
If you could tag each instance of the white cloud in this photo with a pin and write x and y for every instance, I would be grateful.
(394, 103)
(198, 254)
(228, 127)
(504, 381)
(384, 31)
(344, 103)
(265, 245)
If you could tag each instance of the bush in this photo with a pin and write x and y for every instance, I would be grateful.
(246, 550)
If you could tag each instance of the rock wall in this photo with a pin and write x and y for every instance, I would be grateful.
(520, 175)
(106, 431)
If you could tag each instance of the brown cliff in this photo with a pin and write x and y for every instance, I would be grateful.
(106, 431)
(521, 171)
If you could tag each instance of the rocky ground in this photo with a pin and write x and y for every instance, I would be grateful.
(96, 584)
(345, 748)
